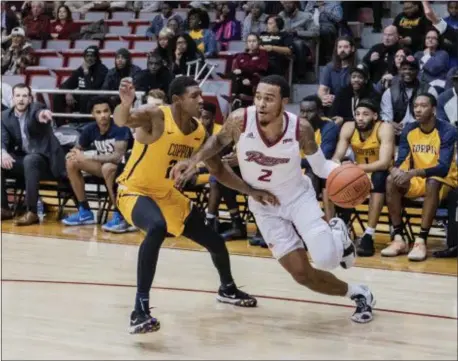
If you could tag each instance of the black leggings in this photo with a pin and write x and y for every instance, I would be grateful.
(147, 216)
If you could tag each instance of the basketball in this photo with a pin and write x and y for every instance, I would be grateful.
(348, 186)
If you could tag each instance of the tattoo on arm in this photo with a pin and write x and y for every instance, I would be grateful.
(115, 157)
(307, 137)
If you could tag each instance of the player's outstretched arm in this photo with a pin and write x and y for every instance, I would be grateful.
(146, 116)
(183, 171)
(227, 177)
(321, 166)
(344, 141)
(386, 153)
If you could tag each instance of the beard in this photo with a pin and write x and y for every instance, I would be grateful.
(344, 56)
(365, 128)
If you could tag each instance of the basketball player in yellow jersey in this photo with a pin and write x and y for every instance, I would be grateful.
(425, 167)
(372, 142)
(147, 197)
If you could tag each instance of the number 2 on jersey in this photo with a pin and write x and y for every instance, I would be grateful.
(265, 176)
(169, 168)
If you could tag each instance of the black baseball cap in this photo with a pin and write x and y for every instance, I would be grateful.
(362, 69)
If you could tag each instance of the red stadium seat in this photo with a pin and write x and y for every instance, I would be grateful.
(119, 30)
(51, 61)
(43, 82)
(111, 22)
(58, 44)
(144, 45)
(115, 44)
(147, 16)
(83, 44)
(122, 15)
(13, 79)
(236, 46)
(95, 16)
(141, 29)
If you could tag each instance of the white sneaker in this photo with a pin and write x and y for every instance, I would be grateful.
(365, 301)
(340, 230)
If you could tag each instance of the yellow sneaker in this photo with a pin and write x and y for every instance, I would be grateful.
(419, 251)
(396, 248)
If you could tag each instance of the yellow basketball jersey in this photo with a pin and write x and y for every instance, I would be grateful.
(366, 151)
(424, 153)
(148, 169)
(216, 128)
(318, 138)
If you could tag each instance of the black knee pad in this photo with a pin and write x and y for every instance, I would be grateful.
(378, 179)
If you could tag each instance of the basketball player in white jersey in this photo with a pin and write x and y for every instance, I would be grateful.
(268, 142)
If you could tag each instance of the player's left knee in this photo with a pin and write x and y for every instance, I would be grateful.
(379, 180)
(327, 256)
(433, 186)
(109, 169)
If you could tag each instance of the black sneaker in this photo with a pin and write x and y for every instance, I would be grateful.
(364, 303)
(141, 322)
(365, 246)
(236, 297)
(237, 232)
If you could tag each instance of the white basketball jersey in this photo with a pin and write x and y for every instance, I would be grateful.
(274, 167)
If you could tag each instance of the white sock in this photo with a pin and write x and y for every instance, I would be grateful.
(354, 290)
(210, 216)
(370, 231)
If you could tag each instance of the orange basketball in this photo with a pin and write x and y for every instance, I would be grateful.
(348, 186)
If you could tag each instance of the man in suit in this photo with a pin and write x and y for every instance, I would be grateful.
(30, 151)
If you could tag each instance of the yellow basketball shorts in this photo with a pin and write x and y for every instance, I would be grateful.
(417, 187)
(175, 207)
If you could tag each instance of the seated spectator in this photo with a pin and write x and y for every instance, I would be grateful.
(208, 116)
(255, 21)
(173, 25)
(162, 49)
(182, 49)
(227, 27)
(300, 26)
(278, 45)
(326, 137)
(449, 79)
(63, 27)
(160, 20)
(396, 105)
(30, 151)
(7, 96)
(249, 67)
(393, 74)
(156, 97)
(372, 142)
(448, 33)
(425, 167)
(36, 24)
(433, 61)
(123, 68)
(447, 107)
(380, 59)
(336, 74)
(111, 143)
(452, 19)
(9, 21)
(411, 25)
(198, 23)
(147, 6)
(89, 76)
(19, 55)
(330, 15)
(344, 106)
(156, 76)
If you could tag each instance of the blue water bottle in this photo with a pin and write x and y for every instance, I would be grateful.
(40, 210)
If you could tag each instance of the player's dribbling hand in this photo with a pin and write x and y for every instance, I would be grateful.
(264, 197)
(182, 172)
(127, 91)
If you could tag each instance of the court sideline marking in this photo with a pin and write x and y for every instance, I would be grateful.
(275, 298)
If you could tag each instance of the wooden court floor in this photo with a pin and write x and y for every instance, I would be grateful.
(67, 294)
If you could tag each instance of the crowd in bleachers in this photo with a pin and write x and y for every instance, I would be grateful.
(92, 45)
